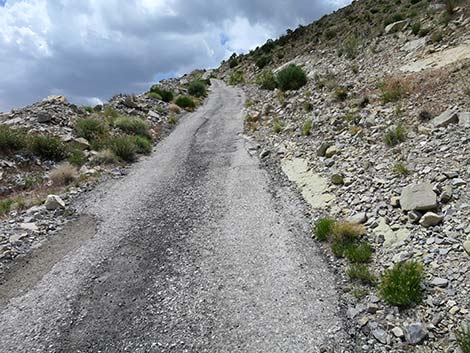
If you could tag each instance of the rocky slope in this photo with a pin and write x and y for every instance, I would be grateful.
(52, 151)
(379, 135)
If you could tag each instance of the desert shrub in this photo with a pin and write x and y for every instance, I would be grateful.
(172, 120)
(401, 285)
(63, 174)
(329, 34)
(416, 28)
(77, 158)
(308, 107)
(197, 88)
(263, 60)
(401, 169)
(463, 337)
(424, 31)
(111, 114)
(90, 128)
(47, 147)
(133, 126)
(307, 127)
(88, 109)
(185, 102)
(233, 61)
(142, 144)
(347, 231)
(361, 273)
(278, 126)
(450, 6)
(395, 135)
(105, 156)
(436, 37)
(358, 252)
(349, 47)
(5, 206)
(323, 228)
(123, 147)
(155, 95)
(11, 140)
(392, 90)
(236, 78)
(167, 95)
(291, 78)
(341, 93)
(266, 80)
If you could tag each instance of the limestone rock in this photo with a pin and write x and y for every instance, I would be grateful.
(464, 119)
(54, 202)
(418, 197)
(430, 219)
(81, 143)
(396, 26)
(440, 282)
(448, 117)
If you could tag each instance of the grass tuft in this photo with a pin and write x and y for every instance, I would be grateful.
(133, 126)
(401, 285)
(395, 135)
(323, 228)
(463, 338)
(361, 273)
(307, 128)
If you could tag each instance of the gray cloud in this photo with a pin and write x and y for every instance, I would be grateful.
(89, 50)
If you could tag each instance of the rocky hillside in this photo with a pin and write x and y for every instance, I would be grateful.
(52, 151)
(368, 112)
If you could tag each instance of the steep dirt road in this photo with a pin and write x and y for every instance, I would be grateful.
(196, 250)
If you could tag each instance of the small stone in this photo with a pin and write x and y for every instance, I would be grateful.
(440, 282)
(372, 308)
(360, 218)
(398, 332)
(466, 246)
(54, 202)
(415, 333)
(458, 182)
(430, 219)
(395, 201)
(29, 226)
(380, 335)
(331, 151)
(396, 26)
(446, 194)
(81, 143)
(414, 216)
(337, 179)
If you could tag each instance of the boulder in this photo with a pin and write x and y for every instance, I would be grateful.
(418, 197)
(430, 219)
(396, 26)
(448, 117)
(54, 202)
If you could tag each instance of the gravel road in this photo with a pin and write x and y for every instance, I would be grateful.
(195, 250)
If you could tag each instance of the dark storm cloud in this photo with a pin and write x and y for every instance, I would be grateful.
(89, 50)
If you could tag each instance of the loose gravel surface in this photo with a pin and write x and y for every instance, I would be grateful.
(196, 250)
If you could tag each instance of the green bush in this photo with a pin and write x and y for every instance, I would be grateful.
(278, 126)
(263, 60)
(90, 128)
(197, 88)
(416, 28)
(123, 147)
(236, 78)
(266, 80)
(291, 78)
(308, 107)
(358, 252)
(155, 95)
(132, 126)
(395, 135)
(47, 147)
(11, 140)
(167, 95)
(142, 144)
(185, 102)
(323, 228)
(77, 158)
(401, 285)
(307, 128)
(5, 206)
(341, 93)
(463, 338)
(401, 169)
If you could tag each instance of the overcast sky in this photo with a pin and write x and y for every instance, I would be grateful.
(89, 50)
